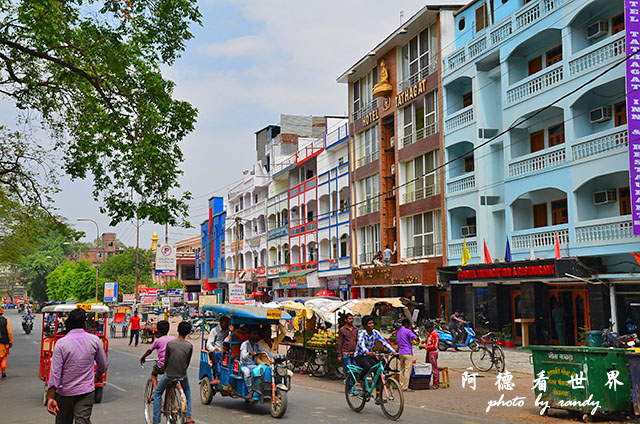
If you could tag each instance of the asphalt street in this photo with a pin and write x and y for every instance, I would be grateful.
(21, 395)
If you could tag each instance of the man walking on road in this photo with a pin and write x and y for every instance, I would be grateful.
(6, 341)
(176, 363)
(134, 323)
(404, 337)
(72, 376)
(347, 340)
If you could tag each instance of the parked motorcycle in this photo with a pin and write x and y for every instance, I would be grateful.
(446, 338)
(27, 324)
(612, 339)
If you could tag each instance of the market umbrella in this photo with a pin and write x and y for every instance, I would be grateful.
(325, 293)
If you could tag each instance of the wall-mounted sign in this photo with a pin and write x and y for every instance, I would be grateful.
(412, 92)
(128, 298)
(237, 294)
(166, 260)
(632, 28)
(370, 117)
(111, 292)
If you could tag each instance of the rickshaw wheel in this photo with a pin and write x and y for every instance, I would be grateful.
(97, 395)
(124, 331)
(113, 331)
(206, 392)
(278, 406)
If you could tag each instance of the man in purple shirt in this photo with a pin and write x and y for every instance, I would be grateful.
(404, 337)
(72, 377)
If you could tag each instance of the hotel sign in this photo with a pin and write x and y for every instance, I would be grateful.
(370, 117)
(412, 92)
(507, 271)
(632, 28)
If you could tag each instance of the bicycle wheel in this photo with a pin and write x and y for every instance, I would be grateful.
(482, 359)
(318, 364)
(177, 406)
(148, 402)
(498, 359)
(391, 398)
(354, 394)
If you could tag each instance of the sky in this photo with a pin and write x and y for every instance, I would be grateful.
(251, 61)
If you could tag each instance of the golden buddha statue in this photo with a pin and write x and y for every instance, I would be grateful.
(383, 88)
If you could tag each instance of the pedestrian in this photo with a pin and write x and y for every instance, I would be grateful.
(176, 363)
(432, 353)
(347, 340)
(134, 324)
(6, 342)
(72, 377)
(558, 315)
(215, 343)
(387, 255)
(159, 344)
(404, 337)
(454, 319)
(249, 350)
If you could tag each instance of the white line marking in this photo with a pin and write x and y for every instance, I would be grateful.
(116, 387)
(34, 342)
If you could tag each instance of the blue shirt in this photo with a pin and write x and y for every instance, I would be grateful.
(366, 342)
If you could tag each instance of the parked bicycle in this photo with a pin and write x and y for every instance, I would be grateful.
(379, 384)
(174, 402)
(488, 355)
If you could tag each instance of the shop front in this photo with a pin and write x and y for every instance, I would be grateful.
(297, 284)
(555, 300)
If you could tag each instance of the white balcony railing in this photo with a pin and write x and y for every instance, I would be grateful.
(420, 134)
(598, 55)
(535, 83)
(524, 18)
(607, 232)
(596, 145)
(459, 119)
(418, 76)
(538, 161)
(338, 134)
(540, 237)
(461, 184)
(368, 158)
(369, 107)
(370, 206)
(434, 249)
(455, 248)
(421, 193)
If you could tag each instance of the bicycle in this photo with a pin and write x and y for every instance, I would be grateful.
(487, 357)
(174, 402)
(387, 389)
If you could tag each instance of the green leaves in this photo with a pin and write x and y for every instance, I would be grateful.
(92, 71)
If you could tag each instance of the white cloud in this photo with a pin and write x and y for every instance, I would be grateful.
(249, 45)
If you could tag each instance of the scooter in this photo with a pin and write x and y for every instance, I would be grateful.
(27, 324)
(446, 339)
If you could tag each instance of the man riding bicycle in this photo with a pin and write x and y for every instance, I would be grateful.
(367, 339)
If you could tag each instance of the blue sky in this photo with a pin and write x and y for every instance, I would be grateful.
(251, 61)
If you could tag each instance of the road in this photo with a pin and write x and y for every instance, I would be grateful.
(21, 395)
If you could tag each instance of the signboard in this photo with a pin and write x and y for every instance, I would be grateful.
(175, 292)
(84, 306)
(148, 300)
(507, 271)
(333, 284)
(166, 260)
(166, 302)
(128, 298)
(197, 253)
(207, 300)
(111, 292)
(274, 314)
(284, 282)
(237, 293)
(262, 281)
(262, 271)
(144, 291)
(632, 40)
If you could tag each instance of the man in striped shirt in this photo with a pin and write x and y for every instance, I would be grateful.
(367, 339)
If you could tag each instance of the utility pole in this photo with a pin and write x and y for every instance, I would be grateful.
(236, 275)
(135, 302)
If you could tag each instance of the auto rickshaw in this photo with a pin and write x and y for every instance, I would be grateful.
(119, 318)
(53, 329)
(271, 384)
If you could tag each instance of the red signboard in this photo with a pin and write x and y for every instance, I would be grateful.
(509, 272)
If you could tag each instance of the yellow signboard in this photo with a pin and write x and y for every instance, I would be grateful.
(274, 313)
(208, 300)
(84, 306)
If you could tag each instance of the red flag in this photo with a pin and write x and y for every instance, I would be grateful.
(637, 256)
(487, 256)
(558, 255)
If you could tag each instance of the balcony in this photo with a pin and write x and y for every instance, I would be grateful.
(369, 206)
(369, 107)
(419, 134)
(524, 18)
(418, 76)
(368, 158)
(598, 55)
(540, 237)
(423, 251)
(310, 149)
(461, 184)
(365, 258)
(327, 265)
(339, 134)
(455, 248)
(615, 139)
(535, 84)
(278, 232)
(538, 161)
(460, 119)
(421, 193)
(607, 230)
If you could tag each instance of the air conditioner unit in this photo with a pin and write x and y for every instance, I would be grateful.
(392, 141)
(603, 197)
(468, 231)
(597, 29)
(600, 114)
(393, 168)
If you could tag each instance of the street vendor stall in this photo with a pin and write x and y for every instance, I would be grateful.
(118, 319)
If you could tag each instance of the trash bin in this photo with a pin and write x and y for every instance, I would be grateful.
(634, 373)
(590, 367)
(594, 338)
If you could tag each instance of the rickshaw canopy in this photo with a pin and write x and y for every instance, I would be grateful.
(247, 314)
(68, 307)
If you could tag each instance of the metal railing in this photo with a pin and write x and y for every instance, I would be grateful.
(368, 158)
(369, 107)
(420, 134)
(370, 206)
(421, 193)
(418, 76)
(434, 249)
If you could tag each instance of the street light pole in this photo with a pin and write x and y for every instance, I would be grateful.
(97, 261)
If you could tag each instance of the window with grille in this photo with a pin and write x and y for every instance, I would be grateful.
(423, 234)
(416, 57)
(368, 143)
(368, 242)
(369, 199)
(421, 176)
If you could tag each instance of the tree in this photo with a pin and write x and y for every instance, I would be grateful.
(73, 282)
(91, 69)
(122, 268)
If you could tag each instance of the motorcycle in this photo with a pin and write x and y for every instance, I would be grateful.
(446, 339)
(612, 339)
(27, 324)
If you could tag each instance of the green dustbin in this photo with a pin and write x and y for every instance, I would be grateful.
(561, 363)
(594, 338)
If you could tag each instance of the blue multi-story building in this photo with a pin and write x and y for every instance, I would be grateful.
(212, 264)
(536, 149)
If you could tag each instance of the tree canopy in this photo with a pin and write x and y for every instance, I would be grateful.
(91, 70)
(122, 268)
(73, 282)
